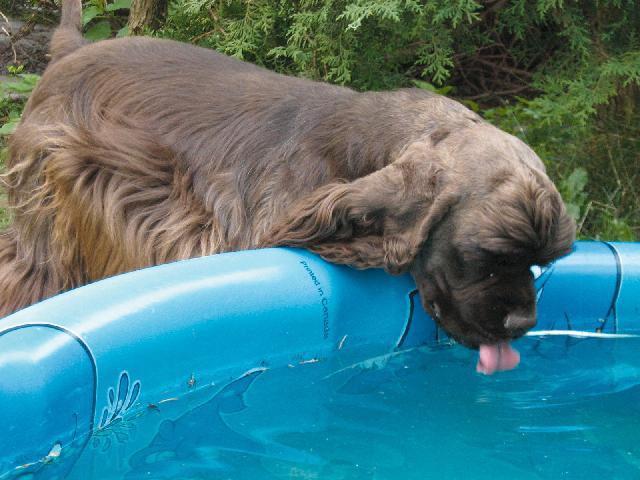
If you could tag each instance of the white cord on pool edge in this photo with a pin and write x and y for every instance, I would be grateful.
(576, 333)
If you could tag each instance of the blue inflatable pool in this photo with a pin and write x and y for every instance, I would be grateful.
(75, 366)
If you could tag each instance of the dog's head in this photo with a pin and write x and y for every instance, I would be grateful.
(466, 213)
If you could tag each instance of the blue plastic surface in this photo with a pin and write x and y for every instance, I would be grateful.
(78, 363)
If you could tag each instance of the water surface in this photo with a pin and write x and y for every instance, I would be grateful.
(571, 410)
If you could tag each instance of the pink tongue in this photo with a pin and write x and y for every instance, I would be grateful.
(498, 357)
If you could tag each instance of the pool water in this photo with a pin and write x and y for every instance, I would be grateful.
(571, 410)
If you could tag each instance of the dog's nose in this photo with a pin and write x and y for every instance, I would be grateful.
(514, 322)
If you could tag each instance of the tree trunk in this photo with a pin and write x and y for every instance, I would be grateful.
(146, 13)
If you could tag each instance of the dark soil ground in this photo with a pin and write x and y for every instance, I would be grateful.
(25, 31)
(23, 43)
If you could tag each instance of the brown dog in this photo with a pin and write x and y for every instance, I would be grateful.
(139, 151)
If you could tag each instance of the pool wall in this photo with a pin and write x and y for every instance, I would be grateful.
(78, 363)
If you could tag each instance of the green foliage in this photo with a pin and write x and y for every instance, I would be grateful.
(572, 190)
(13, 96)
(102, 20)
(368, 44)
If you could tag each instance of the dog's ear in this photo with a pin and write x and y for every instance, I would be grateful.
(380, 220)
(401, 248)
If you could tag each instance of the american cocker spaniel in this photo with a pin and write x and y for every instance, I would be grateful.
(139, 151)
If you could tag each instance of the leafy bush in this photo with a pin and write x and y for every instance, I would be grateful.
(13, 96)
(100, 20)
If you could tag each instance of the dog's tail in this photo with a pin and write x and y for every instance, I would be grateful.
(68, 36)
